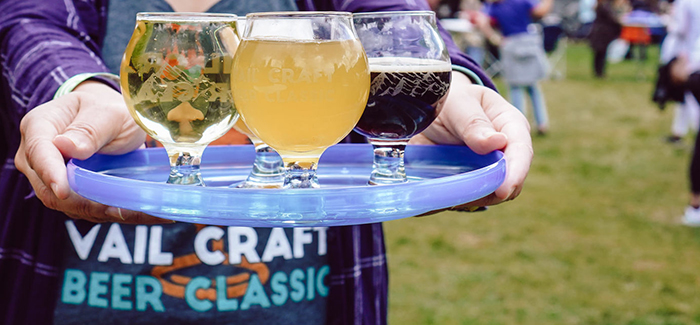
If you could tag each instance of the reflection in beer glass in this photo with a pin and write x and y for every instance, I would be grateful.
(175, 78)
(300, 83)
(411, 71)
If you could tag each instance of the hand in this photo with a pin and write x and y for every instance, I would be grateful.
(679, 70)
(93, 118)
(483, 120)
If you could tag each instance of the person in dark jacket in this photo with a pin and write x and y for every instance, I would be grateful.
(606, 28)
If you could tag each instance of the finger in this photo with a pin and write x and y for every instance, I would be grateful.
(44, 191)
(134, 217)
(39, 159)
(488, 200)
(89, 131)
(466, 118)
(102, 124)
(82, 208)
(518, 158)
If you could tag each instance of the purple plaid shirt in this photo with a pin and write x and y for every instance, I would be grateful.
(45, 42)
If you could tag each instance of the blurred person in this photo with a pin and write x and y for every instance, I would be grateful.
(686, 118)
(682, 51)
(686, 113)
(606, 28)
(586, 16)
(472, 11)
(521, 52)
(65, 259)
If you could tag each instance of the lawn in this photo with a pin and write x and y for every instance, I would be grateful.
(594, 238)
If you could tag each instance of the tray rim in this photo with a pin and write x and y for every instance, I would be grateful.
(81, 169)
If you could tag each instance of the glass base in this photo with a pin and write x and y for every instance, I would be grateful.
(388, 164)
(296, 176)
(268, 170)
(185, 170)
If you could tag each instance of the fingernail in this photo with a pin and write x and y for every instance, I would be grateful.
(510, 195)
(54, 188)
(114, 212)
(488, 134)
(76, 144)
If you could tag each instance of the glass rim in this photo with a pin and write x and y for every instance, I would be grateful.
(185, 16)
(299, 14)
(395, 13)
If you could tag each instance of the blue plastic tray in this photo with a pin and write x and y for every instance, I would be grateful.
(439, 177)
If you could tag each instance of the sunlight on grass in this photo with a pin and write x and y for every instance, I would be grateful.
(593, 239)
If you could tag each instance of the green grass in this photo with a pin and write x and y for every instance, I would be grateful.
(594, 238)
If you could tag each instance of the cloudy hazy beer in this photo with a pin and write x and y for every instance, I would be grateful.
(300, 97)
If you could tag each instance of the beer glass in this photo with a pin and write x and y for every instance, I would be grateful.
(175, 78)
(268, 168)
(411, 72)
(300, 82)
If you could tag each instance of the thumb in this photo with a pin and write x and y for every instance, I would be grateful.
(99, 121)
(85, 136)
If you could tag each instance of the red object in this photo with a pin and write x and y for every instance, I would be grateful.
(636, 34)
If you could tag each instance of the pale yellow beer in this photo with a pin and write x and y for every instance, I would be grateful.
(180, 93)
(300, 97)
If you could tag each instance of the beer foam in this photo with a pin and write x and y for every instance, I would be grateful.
(407, 64)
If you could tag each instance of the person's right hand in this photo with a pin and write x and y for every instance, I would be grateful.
(93, 118)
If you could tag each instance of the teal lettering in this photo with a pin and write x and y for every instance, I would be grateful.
(310, 292)
(200, 305)
(121, 288)
(144, 297)
(255, 294)
(296, 281)
(279, 290)
(98, 286)
(322, 273)
(73, 287)
(222, 301)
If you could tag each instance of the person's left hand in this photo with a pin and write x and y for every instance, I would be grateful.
(483, 120)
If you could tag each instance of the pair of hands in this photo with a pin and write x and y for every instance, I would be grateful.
(94, 119)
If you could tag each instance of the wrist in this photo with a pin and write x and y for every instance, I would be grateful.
(79, 80)
(469, 75)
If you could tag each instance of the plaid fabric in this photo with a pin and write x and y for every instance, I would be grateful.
(42, 44)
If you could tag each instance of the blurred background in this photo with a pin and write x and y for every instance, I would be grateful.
(596, 235)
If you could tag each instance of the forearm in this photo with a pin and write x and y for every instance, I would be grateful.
(43, 44)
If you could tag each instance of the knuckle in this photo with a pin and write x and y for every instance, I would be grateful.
(32, 148)
(47, 197)
(89, 130)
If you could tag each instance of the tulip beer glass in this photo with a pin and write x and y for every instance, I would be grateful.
(411, 71)
(300, 82)
(175, 77)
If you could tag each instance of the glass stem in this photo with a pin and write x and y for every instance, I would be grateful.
(184, 169)
(300, 175)
(388, 165)
(268, 169)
